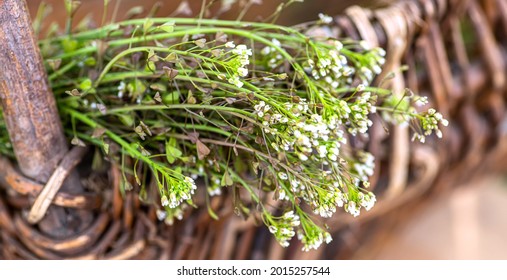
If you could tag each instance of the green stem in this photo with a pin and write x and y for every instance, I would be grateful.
(62, 70)
(244, 114)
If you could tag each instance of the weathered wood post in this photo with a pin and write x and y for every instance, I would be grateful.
(30, 112)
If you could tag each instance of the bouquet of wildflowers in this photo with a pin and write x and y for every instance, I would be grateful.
(196, 105)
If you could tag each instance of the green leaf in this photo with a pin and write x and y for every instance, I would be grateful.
(152, 56)
(136, 87)
(226, 179)
(171, 150)
(85, 85)
(167, 27)
(69, 45)
(172, 154)
(190, 98)
(172, 57)
(126, 119)
(71, 6)
(68, 6)
(171, 98)
(90, 61)
(148, 23)
(106, 148)
(150, 66)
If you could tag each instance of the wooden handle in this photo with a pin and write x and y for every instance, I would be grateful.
(27, 101)
(31, 115)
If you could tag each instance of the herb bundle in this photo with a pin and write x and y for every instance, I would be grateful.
(197, 105)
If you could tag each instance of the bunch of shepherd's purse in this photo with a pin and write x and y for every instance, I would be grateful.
(203, 105)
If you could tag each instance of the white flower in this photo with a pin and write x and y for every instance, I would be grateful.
(327, 237)
(367, 201)
(325, 18)
(289, 215)
(282, 175)
(365, 45)
(273, 229)
(322, 151)
(377, 69)
(242, 72)
(303, 157)
(230, 44)
(353, 209)
(338, 45)
(266, 50)
(282, 195)
(276, 42)
(161, 214)
(259, 106)
(164, 200)
(242, 50)
(235, 81)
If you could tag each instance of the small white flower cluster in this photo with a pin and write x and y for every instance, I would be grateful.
(375, 60)
(421, 100)
(316, 141)
(273, 56)
(179, 193)
(365, 166)
(353, 208)
(326, 204)
(306, 134)
(313, 238)
(283, 228)
(121, 89)
(357, 118)
(215, 188)
(334, 68)
(429, 123)
(239, 65)
(365, 200)
(331, 66)
(325, 19)
(169, 215)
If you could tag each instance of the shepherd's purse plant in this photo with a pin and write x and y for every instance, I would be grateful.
(206, 105)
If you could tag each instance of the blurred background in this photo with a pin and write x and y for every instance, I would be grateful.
(465, 223)
(258, 10)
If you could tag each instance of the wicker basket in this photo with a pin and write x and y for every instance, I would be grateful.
(456, 53)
